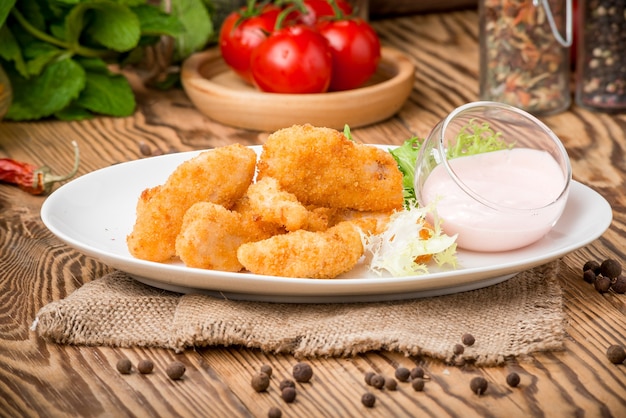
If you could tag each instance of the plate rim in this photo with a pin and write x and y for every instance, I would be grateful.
(307, 288)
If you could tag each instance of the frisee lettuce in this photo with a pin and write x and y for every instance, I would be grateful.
(476, 138)
(409, 243)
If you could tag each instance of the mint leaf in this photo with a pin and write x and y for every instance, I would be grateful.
(58, 84)
(73, 112)
(107, 94)
(154, 21)
(198, 27)
(38, 55)
(5, 8)
(111, 25)
(32, 12)
(10, 50)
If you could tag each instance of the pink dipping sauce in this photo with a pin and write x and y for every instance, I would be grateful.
(520, 178)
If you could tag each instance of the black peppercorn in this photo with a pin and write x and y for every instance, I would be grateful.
(402, 374)
(288, 394)
(513, 379)
(417, 372)
(610, 268)
(368, 378)
(458, 349)
(274, 412)
(592, 265)
(479, 385)
(175, 370)
(619, 285)
(377, 381)
(260, 382)
(589, 276)
(391, 383)
(368, 399)
(302, 372)
(468, 339)
(267, 369)
(145, 366)
(286, 383)
(124, 366)
(418, 384)
(602, 284)
(616, 354)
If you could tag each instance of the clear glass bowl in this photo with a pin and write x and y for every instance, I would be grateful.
(498, 200)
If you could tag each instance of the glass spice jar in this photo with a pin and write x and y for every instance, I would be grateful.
(601, 55)
(524, 59)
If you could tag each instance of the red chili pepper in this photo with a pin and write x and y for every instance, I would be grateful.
(34, 180)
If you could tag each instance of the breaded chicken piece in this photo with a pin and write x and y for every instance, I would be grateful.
(220, 176)
(305, 254)
(211, 234)
(321, 167)
(371, 223)
(268, 201)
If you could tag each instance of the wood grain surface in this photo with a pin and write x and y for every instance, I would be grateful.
(48, 380)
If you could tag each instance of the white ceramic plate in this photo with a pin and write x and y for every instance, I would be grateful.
(95, 212)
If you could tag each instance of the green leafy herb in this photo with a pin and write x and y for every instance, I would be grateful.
(346, 132)
(406, 157)
(409, 243)
(59, 54)
(474, 138)
(195, 18)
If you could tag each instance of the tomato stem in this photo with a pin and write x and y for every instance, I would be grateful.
(338, 12)
(296, 5)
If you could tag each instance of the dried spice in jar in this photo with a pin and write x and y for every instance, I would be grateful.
(524, 59)
(601, 65)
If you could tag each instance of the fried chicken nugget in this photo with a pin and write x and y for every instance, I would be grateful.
(211, 234)
(324, 168)
(271, 204)
(305, 254)
(369, 222)
(220, 176)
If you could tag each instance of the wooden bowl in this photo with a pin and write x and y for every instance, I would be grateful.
(224, 97)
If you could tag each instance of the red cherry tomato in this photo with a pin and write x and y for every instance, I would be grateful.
(242, 31)
(355, 48)
(317, 9)
(294, 59)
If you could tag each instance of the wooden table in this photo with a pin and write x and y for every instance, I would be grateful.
(43, 379)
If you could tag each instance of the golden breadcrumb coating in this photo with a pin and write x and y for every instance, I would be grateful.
(220, 176)
(211, 234)
(321, 167)
(271, 204)
(305, 254)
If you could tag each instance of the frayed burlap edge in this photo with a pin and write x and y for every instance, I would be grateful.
(512, 319)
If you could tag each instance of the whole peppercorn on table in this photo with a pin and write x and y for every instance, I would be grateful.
(42, 378)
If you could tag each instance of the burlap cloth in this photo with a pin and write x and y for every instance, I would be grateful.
(516, 317)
